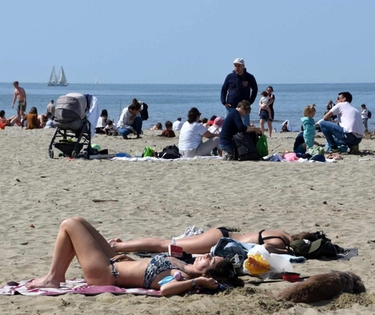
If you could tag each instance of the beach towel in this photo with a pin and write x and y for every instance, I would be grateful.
(78, 286)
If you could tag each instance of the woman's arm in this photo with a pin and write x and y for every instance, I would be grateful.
(209, 135)
(177, 287)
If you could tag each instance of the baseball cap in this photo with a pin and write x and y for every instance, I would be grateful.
(239, 61)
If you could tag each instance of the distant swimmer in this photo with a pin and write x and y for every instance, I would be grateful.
(20, 95)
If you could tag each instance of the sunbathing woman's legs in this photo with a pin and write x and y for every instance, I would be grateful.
(196, 244)
(202, 243)
(77, 237)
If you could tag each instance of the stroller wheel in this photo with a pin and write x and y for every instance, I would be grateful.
(50, 153)
(74, 154)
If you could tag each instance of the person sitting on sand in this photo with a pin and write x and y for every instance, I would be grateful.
(101, 265)
(168, 131)
(191, 135)
(157, 126)
(274, 241)
(31, 118)
(7, 122)
(43, 118)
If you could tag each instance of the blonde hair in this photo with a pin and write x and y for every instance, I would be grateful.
(309, 109)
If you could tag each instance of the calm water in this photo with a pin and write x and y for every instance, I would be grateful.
(168, 101)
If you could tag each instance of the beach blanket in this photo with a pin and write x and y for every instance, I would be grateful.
(77, 286)
(154, 159)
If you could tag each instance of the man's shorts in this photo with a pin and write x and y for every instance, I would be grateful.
(21, 106)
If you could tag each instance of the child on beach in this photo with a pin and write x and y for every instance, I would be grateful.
(308, 126)
(110, 128)
(168, 132)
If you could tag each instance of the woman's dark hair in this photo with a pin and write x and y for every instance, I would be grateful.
(159, 126)
(269, 87)
(104, 113)
(135, 105)
(204, 120)
(224, 272)
(2, 113)
(168, 124)
(193, 115)
(304, 236)
(33, 110)
(213, 117)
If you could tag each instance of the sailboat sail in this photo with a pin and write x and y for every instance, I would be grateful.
(52, 78)
(60, 81)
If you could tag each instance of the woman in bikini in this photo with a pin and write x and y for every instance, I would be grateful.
(275, 241)
(101, 265)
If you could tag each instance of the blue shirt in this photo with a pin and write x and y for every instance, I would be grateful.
(232, 125)
(237, 88)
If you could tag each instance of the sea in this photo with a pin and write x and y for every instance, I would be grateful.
(170, 101)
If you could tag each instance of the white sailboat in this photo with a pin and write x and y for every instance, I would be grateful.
(52, 79)
(57, 81)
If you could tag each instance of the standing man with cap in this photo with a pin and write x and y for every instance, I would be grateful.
(238, 86)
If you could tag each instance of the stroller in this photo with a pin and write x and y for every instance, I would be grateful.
(73, 128)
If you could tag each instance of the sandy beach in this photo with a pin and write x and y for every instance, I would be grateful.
(161, 199)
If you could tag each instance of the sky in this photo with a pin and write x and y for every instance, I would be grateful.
(188, 42)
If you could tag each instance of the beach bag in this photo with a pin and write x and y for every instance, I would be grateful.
(170, 152)
(260, 263)
(369, 114)
(315, 249)
(245, 146)
(262, 146)
(144, 111)
(148, 151)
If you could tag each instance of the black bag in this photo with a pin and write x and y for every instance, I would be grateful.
(170, 152)
(322, 247)
(245, 146)
(144, 111)
(369, 114)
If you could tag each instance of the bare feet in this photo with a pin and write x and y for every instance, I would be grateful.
(44, 282)
(113, 242)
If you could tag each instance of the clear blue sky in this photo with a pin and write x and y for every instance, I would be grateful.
(195, 41)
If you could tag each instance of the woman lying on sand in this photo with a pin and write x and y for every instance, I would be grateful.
(275, 241)
(102, 266)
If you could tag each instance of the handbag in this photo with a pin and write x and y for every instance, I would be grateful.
(262, 146)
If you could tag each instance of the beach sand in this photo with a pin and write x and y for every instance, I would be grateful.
(162, 199)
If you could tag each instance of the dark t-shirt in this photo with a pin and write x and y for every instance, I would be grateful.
(232, 125)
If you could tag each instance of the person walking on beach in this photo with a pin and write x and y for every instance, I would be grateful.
(271, 97)
(20, 96)
(239, 85)
(350, 129)
(364, 116)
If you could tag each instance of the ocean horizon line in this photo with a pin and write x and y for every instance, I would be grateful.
(104, 83)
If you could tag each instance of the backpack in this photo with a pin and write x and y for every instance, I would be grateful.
(170, 152)
(322, 247)
(144, 111)
(245, 146)
(369, 114)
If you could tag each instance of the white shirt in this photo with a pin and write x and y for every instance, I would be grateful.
(191, 136)
(177, 125)
(349, 118)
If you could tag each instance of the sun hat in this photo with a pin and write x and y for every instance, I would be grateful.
(218, 122)
(239, 61)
